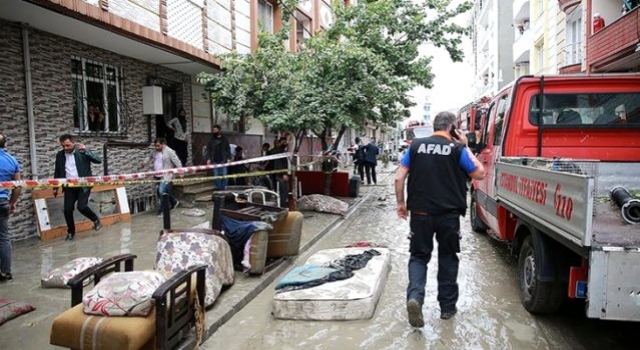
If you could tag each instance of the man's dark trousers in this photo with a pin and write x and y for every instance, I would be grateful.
(446, 229)
(80, 195)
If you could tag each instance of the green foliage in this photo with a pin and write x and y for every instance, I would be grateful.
(359, 69)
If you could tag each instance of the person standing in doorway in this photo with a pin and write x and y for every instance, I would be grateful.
(74, 161)
(371, 161)
(218, 152)
(164, 158)
(9, 170)
(180, 136)
(438, 168)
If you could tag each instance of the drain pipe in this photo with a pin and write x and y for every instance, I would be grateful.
(30, 117)
(105, 146)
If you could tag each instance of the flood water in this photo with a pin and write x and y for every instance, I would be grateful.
(490, 314)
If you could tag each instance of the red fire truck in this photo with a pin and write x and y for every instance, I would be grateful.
(471, 116)
(562, 155)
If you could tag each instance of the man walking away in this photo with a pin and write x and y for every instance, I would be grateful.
(74, 161)
(9, 170)
(218, 152)
(438, 167)
(164, 158)
(371, 161)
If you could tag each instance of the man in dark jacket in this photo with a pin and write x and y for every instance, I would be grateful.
(371, 161)
(74, 161)
(438, 167)
(218, 152)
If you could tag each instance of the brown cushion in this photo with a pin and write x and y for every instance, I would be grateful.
(284, 239)
(74, 329)
(258, 255)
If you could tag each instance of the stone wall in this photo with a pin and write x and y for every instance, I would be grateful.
(53, 109)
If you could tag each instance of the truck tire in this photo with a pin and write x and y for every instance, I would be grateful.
(538, 297)
(476, 223)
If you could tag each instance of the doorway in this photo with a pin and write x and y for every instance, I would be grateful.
(169, 111)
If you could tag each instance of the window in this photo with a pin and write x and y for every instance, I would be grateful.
(573, 50)
(540, 55)
(303, 29)
(499, 121)
(485, 130)
(587, 110)
(265, 16)
(97, 96)
(540, 7)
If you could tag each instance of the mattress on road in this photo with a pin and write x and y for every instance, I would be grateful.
(354, 298)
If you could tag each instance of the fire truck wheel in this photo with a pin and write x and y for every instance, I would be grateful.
(476, 224)
(538, 297)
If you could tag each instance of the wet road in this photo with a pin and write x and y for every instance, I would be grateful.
(490, 313)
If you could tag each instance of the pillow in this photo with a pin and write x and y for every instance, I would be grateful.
(176, 251)
(324, 204)
(58, 278)
(123, 294)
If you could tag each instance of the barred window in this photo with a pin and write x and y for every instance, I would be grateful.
(97, 97)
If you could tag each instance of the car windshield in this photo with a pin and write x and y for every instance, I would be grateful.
(419, 132)
(587, 110)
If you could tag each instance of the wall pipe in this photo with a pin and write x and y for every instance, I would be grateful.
(30, 116)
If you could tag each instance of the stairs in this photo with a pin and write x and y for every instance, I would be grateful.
(194, 191)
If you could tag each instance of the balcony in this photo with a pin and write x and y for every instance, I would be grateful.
(522, 47)
(567, 5)
(615, 47)
(521, 10)
(573, 54)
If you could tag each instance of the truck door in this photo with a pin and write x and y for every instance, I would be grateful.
(492, 138)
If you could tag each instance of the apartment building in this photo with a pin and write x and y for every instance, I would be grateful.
(80, 67)
(492, 42)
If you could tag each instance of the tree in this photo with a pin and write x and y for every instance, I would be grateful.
(361, 69)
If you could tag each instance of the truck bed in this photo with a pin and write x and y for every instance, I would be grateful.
(609, 229)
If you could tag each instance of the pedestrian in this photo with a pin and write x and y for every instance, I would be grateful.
(238, 169)
(164, 158)
(180, 136)
(437, 167)
(371, 161)
(358, 159)
(74, 161)
(9, 170)
(218, 152)
(281, 180)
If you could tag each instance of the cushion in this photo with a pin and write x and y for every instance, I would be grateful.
(12, 309)
(76, 330)
(177, 251)
(58, 278)
(324, 204)
(123, 294)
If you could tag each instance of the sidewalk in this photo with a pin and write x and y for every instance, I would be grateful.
(31, 258)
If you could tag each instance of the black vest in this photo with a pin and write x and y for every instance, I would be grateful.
(437, 185)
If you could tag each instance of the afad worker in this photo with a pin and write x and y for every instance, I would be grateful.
(437, 167)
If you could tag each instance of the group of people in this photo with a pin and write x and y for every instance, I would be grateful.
(365, 160)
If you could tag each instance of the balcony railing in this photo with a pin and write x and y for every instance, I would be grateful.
(573, 53)
(522, 47)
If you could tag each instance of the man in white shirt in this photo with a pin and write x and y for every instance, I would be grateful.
(164, 158)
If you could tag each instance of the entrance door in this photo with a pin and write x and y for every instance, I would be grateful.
(169, 111)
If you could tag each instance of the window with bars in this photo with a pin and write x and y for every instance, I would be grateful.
(97, 97)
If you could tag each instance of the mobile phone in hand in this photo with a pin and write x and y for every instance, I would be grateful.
(453, 132)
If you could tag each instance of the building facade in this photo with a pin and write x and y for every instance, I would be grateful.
(80, 66)
(492, 42)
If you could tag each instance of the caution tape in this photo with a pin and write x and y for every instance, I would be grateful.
(145, 177)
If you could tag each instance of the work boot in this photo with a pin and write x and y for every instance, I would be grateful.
(414, 309)
(445, 315)
(70, 236)
(97, 225)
